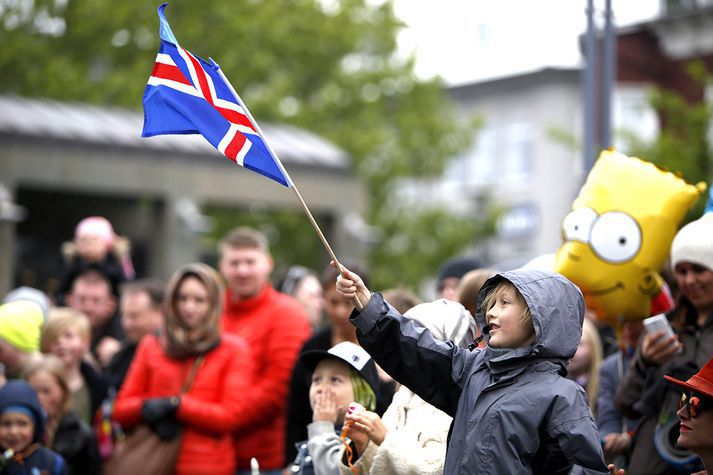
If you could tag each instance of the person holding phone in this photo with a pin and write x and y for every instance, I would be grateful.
(643, 391)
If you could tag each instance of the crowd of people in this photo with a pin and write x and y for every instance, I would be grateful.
(228, 373)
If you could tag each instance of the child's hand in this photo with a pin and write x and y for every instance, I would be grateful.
(369, 423)
(351, 287)
(325, 408)
(614, 471)
(358, 436)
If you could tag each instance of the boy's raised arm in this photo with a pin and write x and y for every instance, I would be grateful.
(407, 351)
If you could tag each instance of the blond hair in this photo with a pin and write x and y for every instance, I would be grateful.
(490, 299)
(56, 368)
(59, 321)
(589, 329)
(179, 340)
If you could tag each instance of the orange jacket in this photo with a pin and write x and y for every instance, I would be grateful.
(275, 326)
(209, 412)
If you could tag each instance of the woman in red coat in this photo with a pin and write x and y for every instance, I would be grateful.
(213, 407)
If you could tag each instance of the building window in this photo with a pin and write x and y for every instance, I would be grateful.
(478, 165)
(518, 151)
(633, 116)
(482, 166)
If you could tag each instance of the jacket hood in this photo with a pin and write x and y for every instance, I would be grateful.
(20, 393)
(557, 308)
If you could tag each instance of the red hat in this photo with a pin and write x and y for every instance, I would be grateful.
(701, 382)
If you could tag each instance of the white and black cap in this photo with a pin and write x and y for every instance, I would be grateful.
(347, 352)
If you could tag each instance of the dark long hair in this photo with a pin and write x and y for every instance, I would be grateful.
(178, 339)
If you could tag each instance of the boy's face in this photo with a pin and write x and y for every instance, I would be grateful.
(70, 347)
(332, 376)
(16, 431)
(508, 328)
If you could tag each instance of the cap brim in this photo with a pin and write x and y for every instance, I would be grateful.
(311, 358)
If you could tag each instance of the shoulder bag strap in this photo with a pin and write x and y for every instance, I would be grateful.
(192, 373)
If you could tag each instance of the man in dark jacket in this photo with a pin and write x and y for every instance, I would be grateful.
(141, 313)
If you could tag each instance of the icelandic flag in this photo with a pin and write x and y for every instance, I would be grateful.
(187, 95)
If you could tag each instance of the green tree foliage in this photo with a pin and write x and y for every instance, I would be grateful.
(327, 66)
(683, 144)
(292, 240)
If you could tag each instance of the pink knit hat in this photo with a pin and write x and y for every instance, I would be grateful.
(96, 226)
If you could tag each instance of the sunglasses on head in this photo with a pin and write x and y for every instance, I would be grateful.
(694, 404)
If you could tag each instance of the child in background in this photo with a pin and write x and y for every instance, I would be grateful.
(64, 432)
(67, 335)
(21, 427)
(95, 244)
(412, 437)
(340, 375)
(338, 330)
(513, 411)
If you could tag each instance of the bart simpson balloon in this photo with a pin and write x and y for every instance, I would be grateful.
(619, 233)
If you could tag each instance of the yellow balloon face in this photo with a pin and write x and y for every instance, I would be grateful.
(619, 233)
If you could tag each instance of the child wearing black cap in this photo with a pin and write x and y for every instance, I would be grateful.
(21, 428)
(340, 375)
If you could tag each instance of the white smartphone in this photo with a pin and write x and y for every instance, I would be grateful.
(657, 323)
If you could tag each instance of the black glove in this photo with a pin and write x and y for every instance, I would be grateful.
(157, 409)
(166, 428)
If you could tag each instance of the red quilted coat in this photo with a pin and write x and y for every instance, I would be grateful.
(211, 410)
(275, 326)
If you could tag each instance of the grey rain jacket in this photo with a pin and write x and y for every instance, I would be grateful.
(513, 410)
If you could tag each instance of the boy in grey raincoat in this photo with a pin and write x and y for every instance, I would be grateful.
(513, 410)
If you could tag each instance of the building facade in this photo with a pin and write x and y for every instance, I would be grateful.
(62, 162)
(524, 158)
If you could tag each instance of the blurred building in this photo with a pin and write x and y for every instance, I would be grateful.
(527, 159)
(524, 160)
(658, 52)
(61, 162)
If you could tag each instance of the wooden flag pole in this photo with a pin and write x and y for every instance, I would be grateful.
(292, 185)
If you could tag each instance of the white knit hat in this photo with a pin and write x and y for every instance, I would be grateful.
(447, 321)
(694, 243)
